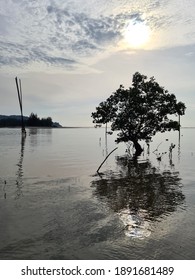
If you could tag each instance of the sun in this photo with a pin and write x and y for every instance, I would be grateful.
(137, 34)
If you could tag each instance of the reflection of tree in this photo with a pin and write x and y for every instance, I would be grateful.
(35, 133)
(19, 173)
(140, 186)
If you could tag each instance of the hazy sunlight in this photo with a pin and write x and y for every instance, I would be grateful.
(137, 34)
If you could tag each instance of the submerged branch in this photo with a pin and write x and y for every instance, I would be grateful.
(105, 159)
(157, 148)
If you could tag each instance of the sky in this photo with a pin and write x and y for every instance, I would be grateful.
(72, 54)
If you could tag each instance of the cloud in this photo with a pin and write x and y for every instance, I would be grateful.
(18, 54)
(82, 30)
(4, 21)
(65, 34)
(56, 34)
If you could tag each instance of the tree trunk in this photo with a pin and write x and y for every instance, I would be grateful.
(138, 148)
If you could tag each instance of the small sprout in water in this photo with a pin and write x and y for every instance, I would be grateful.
(171, 147)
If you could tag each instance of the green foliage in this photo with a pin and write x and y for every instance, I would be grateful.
(140, 111)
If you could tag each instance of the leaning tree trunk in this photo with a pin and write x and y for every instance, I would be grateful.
(138, 148)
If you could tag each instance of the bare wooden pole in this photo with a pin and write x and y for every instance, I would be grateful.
(106, 129)
(23, 127)
(19, 91)
(179, 129)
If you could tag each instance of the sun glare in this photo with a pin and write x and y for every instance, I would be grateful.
(136, 34)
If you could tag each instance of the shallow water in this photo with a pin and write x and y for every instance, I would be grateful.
(53, 205)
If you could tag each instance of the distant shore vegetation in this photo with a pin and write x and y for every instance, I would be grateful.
(32, 120)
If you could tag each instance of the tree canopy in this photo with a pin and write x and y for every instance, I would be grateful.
(140, 111)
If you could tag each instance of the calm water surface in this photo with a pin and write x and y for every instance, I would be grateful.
(53, 205)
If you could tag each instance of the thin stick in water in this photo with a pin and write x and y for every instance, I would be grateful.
(106, 159)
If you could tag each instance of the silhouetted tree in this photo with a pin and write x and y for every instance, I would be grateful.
(46, 122)
(140, 111)
(34, 120)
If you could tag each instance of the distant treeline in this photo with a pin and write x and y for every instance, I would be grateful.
(32, 120)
